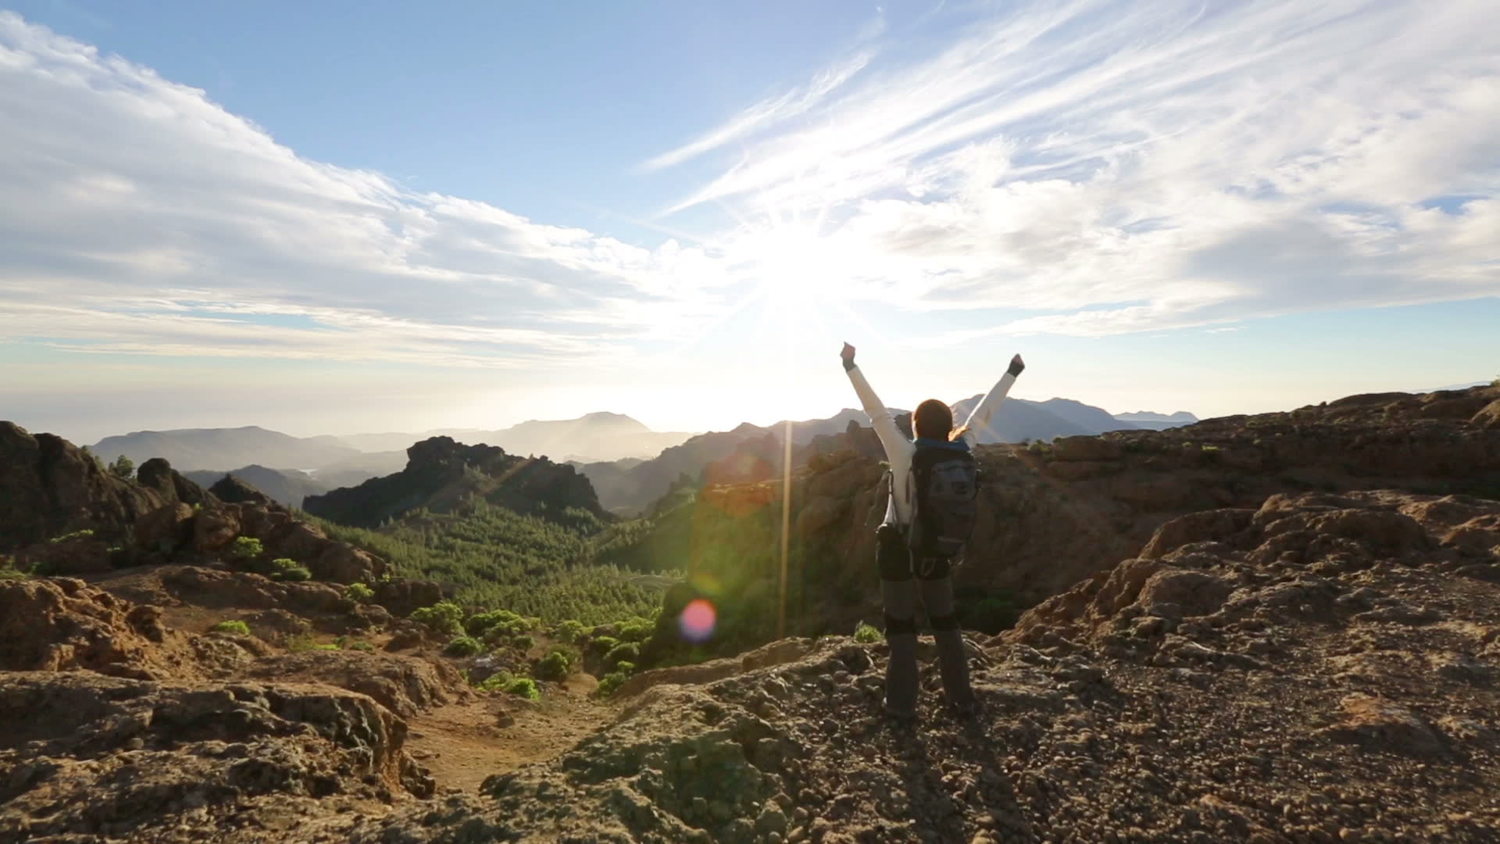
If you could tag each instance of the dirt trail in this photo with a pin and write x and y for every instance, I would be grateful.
(463, 743)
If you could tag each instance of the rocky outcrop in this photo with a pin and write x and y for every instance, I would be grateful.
(136, 760)
(49, 487)
(61, 624)
(441, 474)
(63, 514)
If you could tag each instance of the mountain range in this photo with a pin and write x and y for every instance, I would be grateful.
(629, 465)
(592, 437)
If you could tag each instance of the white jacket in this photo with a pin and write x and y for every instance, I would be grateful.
(899, 449)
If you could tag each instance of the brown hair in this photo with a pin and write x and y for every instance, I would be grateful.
(932, 420)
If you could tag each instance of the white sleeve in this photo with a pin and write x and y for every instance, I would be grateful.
(983, 412)
(880, 417)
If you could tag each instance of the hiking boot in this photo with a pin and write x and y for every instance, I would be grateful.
(901, 675)
(900, 719)
(953, 665)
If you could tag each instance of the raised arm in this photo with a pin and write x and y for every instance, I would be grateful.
(880, 417)
(980, 417)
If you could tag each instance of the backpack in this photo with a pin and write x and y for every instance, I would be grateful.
(944, 500)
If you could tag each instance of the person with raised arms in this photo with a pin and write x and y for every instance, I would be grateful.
(928, 518)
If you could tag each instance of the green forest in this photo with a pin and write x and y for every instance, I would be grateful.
(493, 557)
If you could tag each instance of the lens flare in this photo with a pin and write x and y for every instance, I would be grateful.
(697, 621)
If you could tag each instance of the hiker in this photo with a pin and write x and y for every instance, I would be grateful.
(934, 479)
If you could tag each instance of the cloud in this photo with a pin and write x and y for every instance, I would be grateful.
(1119, 167)
(767, 112)
(1085, 167)
(141, 217)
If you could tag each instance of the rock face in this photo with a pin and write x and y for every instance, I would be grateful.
(50, 487)
(62, 513)
(1322, 670)
(441, 473)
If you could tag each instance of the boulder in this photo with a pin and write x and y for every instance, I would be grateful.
(214, 528)
(1487, 417)
(1206, 526)
(165, 529)
(234, 490)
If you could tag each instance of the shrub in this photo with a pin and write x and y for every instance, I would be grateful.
(626, 651)
(8, 571)
(635, 630)
(348, 644)
(866, 633)
(238, 628)
(303, 642)
(463, 646)
(496, 623)
(495, 682)
(523, 687)
(123, 467)
(568, 630)
(284, 568)
(554, 666)
(246, 548)
(359, 593)
(523, 643)
(442, 617)
(77, 534)
(610, 683)
(603, 644)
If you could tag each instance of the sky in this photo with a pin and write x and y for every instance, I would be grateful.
(341, 217)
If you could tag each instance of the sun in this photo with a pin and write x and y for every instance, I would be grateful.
(788, 263)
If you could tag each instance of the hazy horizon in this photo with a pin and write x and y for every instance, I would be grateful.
(449, 216)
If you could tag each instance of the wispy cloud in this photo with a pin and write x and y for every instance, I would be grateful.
(1124, 167)
(767, 113)
(141, 217)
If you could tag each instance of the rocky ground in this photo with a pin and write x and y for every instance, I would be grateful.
(1262, 666)
(1319, 669)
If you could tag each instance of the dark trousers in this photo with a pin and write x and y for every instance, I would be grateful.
(903, 582)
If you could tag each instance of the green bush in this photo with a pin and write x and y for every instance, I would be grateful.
(123, 467)
(442, 617)
(463, 646)
(284, 568)
(603, 644)
(523, 643)
(611, 682)
(624, 652)
(496, 623)
(359, 593)
(635, 630)
(866, 633)
(238, 628)
(299, 642)
(77, 534)
(246, 548)
(568, 630)
(348, 644)
(8, 571)
(523, 687)
(494, 682)
(554, 666)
